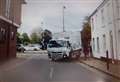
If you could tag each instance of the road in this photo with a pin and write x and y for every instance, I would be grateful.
(38, 68)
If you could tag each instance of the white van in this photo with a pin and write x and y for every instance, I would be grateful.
(58, 49)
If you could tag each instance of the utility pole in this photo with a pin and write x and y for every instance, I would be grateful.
(63, 19)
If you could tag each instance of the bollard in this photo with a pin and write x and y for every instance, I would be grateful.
(107, 58)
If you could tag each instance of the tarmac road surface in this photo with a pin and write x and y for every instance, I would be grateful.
(38, 68)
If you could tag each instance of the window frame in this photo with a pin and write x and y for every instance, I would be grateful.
(3, 35)
(7, 9)
(98, 44)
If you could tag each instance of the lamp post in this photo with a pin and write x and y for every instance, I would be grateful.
(63, 19)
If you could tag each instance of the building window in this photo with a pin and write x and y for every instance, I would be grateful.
(7, 10)
(92, 23)
(2, 35)
(108, 11)
(12, 35)
(98, 46)
(96, 19)
(102, 16)
(93, 44)
(104, 42)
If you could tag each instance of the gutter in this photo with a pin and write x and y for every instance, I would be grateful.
(102, 4)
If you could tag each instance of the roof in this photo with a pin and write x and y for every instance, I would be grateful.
(101, 5)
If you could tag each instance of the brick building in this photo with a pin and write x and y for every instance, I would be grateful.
(10, 20)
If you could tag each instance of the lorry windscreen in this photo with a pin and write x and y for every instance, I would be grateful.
(58, 43)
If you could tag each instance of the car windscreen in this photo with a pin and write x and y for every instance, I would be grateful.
(58, 43)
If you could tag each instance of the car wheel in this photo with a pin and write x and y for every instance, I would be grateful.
(35, 49)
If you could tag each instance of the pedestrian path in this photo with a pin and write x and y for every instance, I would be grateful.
(114, 69)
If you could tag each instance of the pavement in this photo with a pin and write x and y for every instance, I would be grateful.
(38, 68)
(114, 69)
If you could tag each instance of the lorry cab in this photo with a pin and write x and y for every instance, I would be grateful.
(59, 49)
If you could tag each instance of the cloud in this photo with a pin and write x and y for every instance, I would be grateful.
(50, 12)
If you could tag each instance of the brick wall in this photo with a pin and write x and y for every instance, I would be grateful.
(15, 10)
(8, 42)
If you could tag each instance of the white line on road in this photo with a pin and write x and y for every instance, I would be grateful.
(51, 72)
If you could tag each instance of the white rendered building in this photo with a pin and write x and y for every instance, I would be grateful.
(105, 23)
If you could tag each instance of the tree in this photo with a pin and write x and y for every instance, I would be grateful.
(25, 38)
(19, 40)
(36, 35)
(35, 38)
(86, 36)
(38, 31)
(46, 37)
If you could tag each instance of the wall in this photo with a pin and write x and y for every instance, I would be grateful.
(103, 23)
(15, 10)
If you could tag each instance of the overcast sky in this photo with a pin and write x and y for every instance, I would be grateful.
(47, 14)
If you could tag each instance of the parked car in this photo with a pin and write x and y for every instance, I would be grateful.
(31, 48)
(20, 48)
(38, 45)
(58, 49)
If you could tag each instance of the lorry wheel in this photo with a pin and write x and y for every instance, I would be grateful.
(64, 56)
(53, 59)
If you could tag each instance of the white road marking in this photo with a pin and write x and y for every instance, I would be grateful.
(51, 72)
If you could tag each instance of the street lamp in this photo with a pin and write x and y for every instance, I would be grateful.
(63, 19)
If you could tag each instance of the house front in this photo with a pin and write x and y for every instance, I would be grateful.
(10, 20)
(105, 28)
